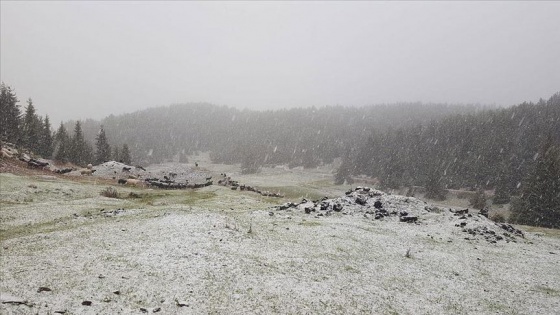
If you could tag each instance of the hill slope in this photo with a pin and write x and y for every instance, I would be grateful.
(216, 250)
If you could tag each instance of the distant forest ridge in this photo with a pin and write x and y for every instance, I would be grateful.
(286, 136)
(485, 150)
(401, 144)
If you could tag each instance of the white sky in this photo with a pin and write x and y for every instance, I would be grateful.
(81, 60)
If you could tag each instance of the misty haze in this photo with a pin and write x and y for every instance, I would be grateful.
(279, 157)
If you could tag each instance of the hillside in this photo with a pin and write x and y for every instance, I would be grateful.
(67, 249)
(299, 136)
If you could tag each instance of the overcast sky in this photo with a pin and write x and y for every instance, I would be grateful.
(80, 60)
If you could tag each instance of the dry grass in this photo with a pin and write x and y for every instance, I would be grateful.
(110, 192)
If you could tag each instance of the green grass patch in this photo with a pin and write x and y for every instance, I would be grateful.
(193, 197)
(497, 307)
(44, 227)
(547, 290)
(321, 183)
(541, 230)
(310, 223)
(10, 202)
(295, 192)
(148, 198)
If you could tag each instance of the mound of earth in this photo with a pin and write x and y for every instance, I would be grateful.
(378, 205)
(176, 172)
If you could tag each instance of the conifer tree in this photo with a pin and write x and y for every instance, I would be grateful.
(81, 152)
(10, 115)
(434, 186)
(103, 150)
(116, 154)
(504, 188)
(32, 126)
(125, 155)
(46, 139)
(344, 172)
(478, 200)
(62, 145)
(539, 203)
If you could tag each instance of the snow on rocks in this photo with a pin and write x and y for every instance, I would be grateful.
(378, 205)
(116, 169)
(234, 185)
(164, 176)
(6, 298)
(366, 201)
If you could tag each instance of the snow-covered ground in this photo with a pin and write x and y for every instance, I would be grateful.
(218, 251)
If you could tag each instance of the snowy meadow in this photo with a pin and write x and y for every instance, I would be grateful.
(67, 249)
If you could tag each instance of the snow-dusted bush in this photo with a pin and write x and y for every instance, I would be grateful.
(110, 192)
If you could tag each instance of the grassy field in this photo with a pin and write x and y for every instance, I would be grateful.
(218, 251)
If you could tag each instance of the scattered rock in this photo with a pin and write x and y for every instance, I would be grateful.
(9, 299)
(409, 219)
(86, 303)
(361, 200)
(181, 304)
(43, 289)
(511, 229)
(370, 203)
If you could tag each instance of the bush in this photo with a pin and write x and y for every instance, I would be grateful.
(110, 192)
(498, 217)
(464, 194)
(478, 201)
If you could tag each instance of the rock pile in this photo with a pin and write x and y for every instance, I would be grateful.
(234, 185)
(167, 183)
(377, 205)
(367, 201)
(114, 169)
(478, 226)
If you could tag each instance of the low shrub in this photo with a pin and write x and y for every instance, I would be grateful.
(498, 217)
(110, 192)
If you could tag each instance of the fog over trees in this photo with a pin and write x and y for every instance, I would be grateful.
(513, 150)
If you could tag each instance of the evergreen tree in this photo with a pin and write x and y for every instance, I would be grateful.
(32, 126)
(10, 115)
(250, 163)
(103, 150)
(478, 200)
(62, 145)
(502, 194)
(539, 203)
(125, 155)
(116, 153)
(344, 172)
(434, 186)
(46, 139)
(81, 152)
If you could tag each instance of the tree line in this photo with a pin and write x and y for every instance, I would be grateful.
(437, 146)
(305, 137)
(31, 131)
(511, 150)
